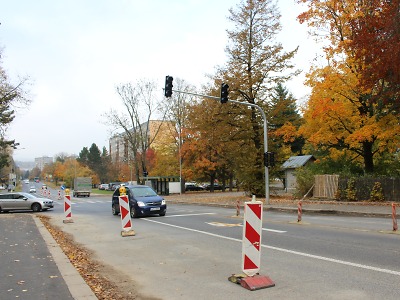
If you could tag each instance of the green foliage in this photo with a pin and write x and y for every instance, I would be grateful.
(377, 192)
(350, 192)
(10, 94)
(305, 179)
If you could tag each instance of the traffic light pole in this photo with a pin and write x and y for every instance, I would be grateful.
(265, 132)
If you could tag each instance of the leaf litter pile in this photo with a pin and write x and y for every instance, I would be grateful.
(90, 270)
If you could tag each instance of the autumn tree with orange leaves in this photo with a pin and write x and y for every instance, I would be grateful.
(353, 111)
(257, 62)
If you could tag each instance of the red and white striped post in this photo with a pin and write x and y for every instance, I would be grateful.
(125, 213)
(48, 194)
(67, 208)
(251, 247)
(299, 211)
(237, 208)
(59, 195)
(394, 217)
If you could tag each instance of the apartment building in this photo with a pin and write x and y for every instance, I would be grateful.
(158, 133)
(40, 162)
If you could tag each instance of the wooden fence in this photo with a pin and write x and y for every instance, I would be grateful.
(329, 186)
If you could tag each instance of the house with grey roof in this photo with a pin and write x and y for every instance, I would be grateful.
(290, 166)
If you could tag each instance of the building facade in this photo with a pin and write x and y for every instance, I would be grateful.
(157, 133)
(40, 162)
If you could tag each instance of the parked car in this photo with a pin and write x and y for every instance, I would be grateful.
(216, 186)
(24, 201)
(143, 201)
(103, 186)
(190, 186)
(113, 185)
(32, 189)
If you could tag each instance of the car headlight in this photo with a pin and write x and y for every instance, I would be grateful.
(141, 204)
(163, 202)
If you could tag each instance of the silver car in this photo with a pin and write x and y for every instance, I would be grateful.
(24, 201)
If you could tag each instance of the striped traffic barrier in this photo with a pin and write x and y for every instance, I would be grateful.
(67, 208)
(251, 248)
(125, 213)
(48, 194)
(394, 217)
(237, 208)
(59, 195)
(299, 211)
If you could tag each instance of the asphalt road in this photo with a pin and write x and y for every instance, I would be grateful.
(191, 252)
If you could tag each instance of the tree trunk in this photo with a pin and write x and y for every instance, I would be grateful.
(368, 157)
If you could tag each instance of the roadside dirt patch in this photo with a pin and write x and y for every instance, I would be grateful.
(106, 282)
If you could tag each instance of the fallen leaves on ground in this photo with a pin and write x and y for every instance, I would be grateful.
(80, 258)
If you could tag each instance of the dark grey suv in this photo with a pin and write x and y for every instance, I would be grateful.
(143, 201)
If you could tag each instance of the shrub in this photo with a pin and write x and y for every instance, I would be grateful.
(351, 190)
(377, 193)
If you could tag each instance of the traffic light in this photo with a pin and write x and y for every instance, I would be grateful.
(224, 92)
(266, 159)
(272, 159)
(168, 86)
(269, 159)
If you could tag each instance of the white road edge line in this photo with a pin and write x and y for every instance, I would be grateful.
(343, 262)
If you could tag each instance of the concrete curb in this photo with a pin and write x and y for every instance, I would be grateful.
(322, 211)
(329, 212)
(76, 285)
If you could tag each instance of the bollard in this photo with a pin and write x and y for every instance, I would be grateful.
(125, 213)
(59, 195)
(299, 211)
(237, 208)
(67, 208)
(394, 217)
(251, 249)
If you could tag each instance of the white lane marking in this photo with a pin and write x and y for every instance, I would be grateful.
(188, 215)
(272, 230)
(338, 261)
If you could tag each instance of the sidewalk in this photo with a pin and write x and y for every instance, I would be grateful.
(33, 265)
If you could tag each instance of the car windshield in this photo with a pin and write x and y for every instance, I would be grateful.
(143, 192)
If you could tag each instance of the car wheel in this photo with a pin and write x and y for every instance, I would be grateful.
(162, 214)
(133, 213)
(36, 207)
(114, 209)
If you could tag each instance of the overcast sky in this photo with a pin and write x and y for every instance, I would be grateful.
(76, 52)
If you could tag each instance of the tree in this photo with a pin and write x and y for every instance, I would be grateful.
(346, 114)
(376, 44)
(139, 105)
(83, 157)
(203, 148)
(284, 122)
(11, 95)
(256, 63)
(176, 110)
